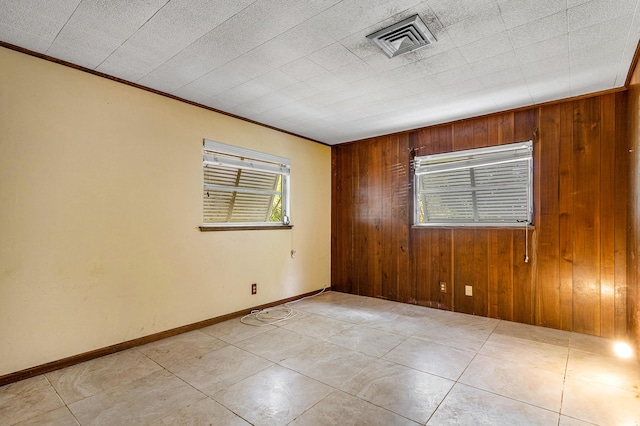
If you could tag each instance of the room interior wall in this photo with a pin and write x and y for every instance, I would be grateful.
(576, 275)
(100, 203)
(633, 237)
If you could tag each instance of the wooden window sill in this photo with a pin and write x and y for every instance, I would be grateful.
(209, 228)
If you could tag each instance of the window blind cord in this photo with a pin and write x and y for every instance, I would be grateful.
(526, 242)
(264, 317)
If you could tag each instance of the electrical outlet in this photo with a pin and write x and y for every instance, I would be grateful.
(254, 288)
(468, 290)
(443, 286)
(293, 254)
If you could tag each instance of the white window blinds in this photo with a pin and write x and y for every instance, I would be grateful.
(476, 187)
(243, 186)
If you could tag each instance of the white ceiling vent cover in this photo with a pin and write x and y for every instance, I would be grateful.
(403, 37)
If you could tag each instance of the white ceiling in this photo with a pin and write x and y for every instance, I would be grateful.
(306, 66)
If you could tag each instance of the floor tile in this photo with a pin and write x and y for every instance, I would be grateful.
(328, 363)
(343, 409)
(529, 352)
(98, 375)
(537, 334)
(466, 405)
(233, 331)
(203, 412)
(515, 380)
(277, 344)
(455, 336)
(317, 326)
(570, 421)
(26, 399)
(618, 372)
(400, 324)
(367, 340)
(219, 369)
(403, 390)
(598, 345)
(601, 404)
(58, 417)
(274, 396)
(431, 357)
(276, 316)
(175, 349)
(138, 402)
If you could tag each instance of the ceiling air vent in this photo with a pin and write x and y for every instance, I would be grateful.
(403, 37)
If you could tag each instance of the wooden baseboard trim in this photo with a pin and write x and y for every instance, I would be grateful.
(97, 353)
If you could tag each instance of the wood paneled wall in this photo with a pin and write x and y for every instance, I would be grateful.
(575, 278)
(633, 235)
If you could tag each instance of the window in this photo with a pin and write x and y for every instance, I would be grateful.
(243, 187)
(476, 187)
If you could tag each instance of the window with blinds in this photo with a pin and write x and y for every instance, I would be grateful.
(477, 187)
(244, 187)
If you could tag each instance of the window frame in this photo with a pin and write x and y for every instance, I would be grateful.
(472, 159)
(217, 154)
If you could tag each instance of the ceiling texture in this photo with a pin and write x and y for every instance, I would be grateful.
(307, 66)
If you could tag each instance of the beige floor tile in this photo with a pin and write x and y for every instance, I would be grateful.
(352, 314)
(530, 332)
(598, 345)
(276, 345)
(403, 390)
(274, 396)
(570, 421)
(175, 349)
(26, 399)
(528, 352)
(459, 337)
(233, 331)
(98, 375)
(466, 405)
(276, 316)
(600, 404)
(203, 412)
(400, 324)
(343, 409)
(317, 326)
(328, 363)
(618, 372)
(431, 357)
(138, 402)
(219, 369)
(58, 417)
(367, 340)
(534, 386)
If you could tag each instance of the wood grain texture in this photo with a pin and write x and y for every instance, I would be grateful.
(575, 278)
(586, 208)
(633, 211)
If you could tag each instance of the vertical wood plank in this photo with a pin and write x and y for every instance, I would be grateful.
(586, 209)
(401, 219)
(505, 275)
(522, 288)
(565, 222)
(621, 184)
(607, 215)
(492, 274)
(463, 269)
(373, 219)
(546, 170)
(361, 231)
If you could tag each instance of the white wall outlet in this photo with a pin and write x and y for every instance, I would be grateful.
(468, 290)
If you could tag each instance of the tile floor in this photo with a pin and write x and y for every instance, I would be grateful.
(343, 360)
